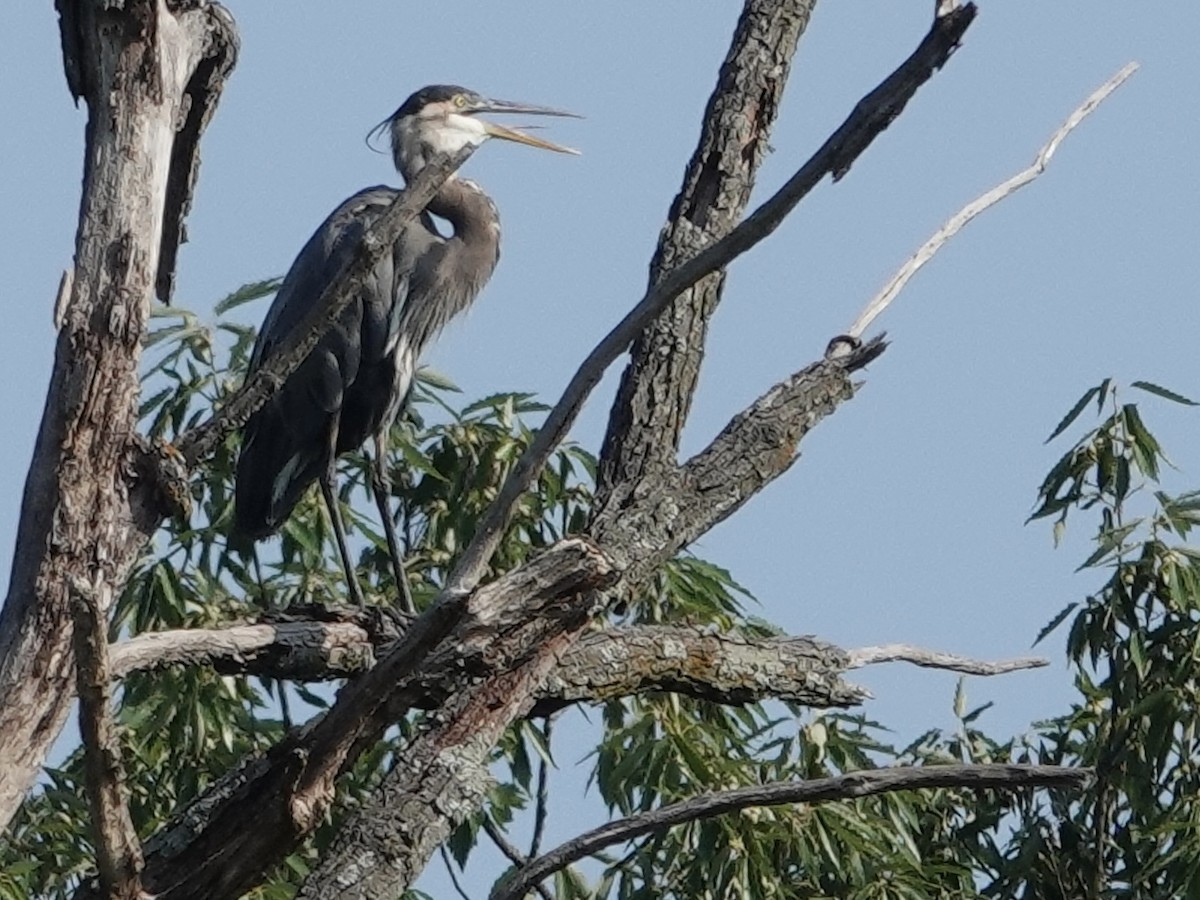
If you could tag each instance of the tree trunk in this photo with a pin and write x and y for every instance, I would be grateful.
(150, 77)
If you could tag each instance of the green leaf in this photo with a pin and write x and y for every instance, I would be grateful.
(1163, 392)
(1055, 622)
(247, 293)
(1073, 414)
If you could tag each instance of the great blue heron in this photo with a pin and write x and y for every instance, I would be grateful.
(358, 377)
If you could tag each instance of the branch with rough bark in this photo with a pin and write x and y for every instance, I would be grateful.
(118, 851)
(866, 783)
(144, 70)
(274, 801)
(654, 369)
(869, 119)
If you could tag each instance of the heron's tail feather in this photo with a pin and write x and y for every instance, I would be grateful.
(272, 475)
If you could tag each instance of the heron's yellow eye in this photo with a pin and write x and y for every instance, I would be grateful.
(460, 101)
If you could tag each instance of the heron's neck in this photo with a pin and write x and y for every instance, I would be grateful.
(469, 211)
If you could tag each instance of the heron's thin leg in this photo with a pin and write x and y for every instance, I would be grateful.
(339, 531)
(381, 487)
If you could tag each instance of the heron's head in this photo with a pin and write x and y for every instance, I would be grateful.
(444, 118)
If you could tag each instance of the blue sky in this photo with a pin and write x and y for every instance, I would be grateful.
(903, 521)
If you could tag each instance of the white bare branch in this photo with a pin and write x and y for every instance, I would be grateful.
(932, 659)
(960, 219)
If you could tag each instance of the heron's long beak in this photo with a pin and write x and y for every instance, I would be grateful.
(520, 137)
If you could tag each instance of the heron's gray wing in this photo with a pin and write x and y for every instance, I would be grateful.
(286, 444)
(330, 246)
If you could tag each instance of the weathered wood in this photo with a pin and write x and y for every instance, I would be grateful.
(118, 851)
(140, 67)
(222, 845)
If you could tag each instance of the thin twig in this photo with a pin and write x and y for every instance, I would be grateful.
(867, 121)
(842, 787)
(542, 803)
(450, 871)
(931, 659)
(118, 850)
(197, 443)
(518, 859)
(960, 219)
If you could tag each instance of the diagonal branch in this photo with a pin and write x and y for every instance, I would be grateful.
(199, 442)
(118, 851)
(870, 117)
(275, 801)
(842, 787)
(984, 202)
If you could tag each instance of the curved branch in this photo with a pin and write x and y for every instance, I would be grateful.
(984, 202)
(842, 787)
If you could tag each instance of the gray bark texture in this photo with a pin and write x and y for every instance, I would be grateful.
(143, 71)
(656, 390)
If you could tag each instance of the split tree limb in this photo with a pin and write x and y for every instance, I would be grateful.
(964, 216)
(118, 851)
(842, 787)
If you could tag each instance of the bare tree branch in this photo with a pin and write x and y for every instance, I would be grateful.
(870, 117)
(729, 668)
(274, 801)
(757, 446)
(541, 807)
(294, 651)
(377, 240)
(458, 888)
(932, 659)
(842, 787)
(1006, 189)
(118, 851)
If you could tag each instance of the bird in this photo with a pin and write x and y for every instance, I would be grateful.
(358, 377)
